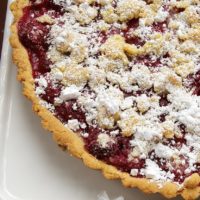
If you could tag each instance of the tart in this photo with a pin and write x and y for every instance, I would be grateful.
(117, 82)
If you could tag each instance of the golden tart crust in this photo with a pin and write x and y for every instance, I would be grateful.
(74, 143)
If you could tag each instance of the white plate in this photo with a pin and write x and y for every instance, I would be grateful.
(32, 167)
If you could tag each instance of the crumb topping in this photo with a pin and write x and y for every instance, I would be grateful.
(128, 65)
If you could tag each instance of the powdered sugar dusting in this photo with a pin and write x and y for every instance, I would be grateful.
(127, 66)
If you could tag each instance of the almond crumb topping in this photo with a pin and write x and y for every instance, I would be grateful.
(124, 75)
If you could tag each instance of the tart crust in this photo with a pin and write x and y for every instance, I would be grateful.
(71, 141)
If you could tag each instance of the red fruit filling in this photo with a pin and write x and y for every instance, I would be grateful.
(33, 35)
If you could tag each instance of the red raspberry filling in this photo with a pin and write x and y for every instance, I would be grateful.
(33, 35)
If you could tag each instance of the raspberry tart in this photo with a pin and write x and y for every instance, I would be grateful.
(117, 82)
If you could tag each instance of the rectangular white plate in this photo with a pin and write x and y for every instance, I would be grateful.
(32, 167)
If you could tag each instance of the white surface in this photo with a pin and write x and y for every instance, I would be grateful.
(32, 167)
